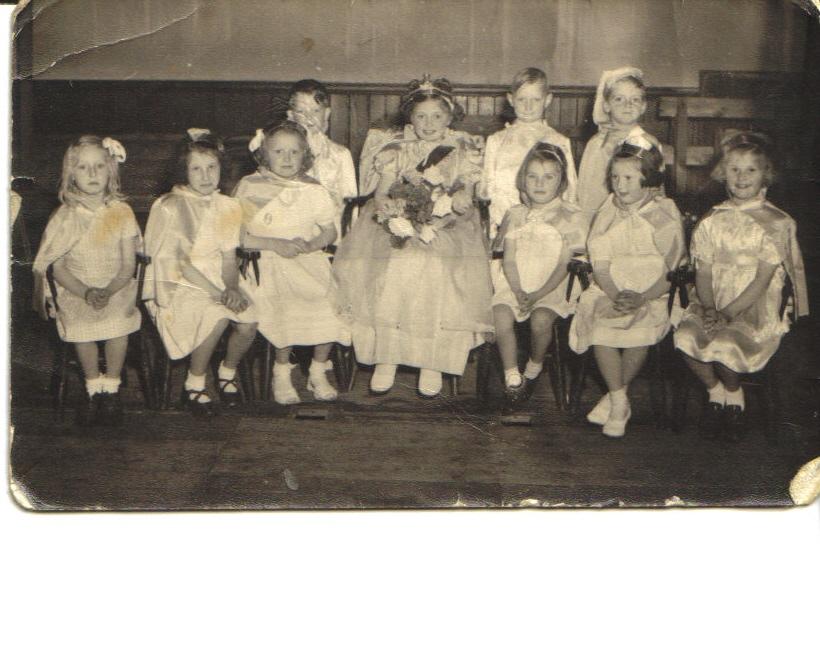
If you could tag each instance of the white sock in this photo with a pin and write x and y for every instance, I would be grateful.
(736, 398)
(618, 397)
(194, 382)
(533, 369)
(717, 394)
(110, 384)
(94, 386)
(512, 377)
(320, 366)
(283, 368)
(228, 374)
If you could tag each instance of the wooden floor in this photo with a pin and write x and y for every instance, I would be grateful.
(390, 452)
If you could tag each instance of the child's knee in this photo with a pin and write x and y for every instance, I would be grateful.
(542, 319)
(246, 329)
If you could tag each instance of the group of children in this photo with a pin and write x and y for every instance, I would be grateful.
(424, 294)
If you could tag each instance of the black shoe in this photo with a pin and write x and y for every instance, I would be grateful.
(197, 406)
(109, 409)
(711, 424)
(735, 423)
(229, 398)
(86, 415)
(529, 389)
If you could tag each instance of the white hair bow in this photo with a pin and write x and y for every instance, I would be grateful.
(115, 149)
(197, 133)
(640, 140)
(256, 142)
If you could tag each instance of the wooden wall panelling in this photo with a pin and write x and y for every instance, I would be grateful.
(340, 118)
(359, 123)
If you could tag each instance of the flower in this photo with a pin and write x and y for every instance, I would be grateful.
(401, 227)
(427, 233)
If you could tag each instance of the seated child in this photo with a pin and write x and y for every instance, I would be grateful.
(538, 239)
(90, 243)
(620, 103)
(192, 283)
(291, 218)
(742, 251)
(635, 241)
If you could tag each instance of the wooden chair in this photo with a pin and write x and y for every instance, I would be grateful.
(137, 354)
(660, 354)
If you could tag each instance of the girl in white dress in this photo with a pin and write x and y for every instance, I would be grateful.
(529, 97)
(309, 106)
(620, 103)
(636, 239)
(90, 243)
(538, 239)
(742, 250)
(291, 218)
(192, 283)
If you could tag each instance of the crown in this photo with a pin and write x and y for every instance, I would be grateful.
(426, 83)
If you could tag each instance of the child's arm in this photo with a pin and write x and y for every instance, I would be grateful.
(326, 236)
(603, 279)
(511, 272)
(285, 248)
(68, 281)
(193, 275)
(757, 287)
(128, 249)
(232, 296)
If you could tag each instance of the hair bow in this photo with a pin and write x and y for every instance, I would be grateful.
(256, 141)
(195, 134)
(115, 149)
(640, 141)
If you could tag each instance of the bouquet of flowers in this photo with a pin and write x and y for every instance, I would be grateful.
(407, 212)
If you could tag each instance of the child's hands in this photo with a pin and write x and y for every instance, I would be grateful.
(304, 245)
(288, 248)
(462, 202)
(234, 300)
(524, 300)
(629, 301)
(711, 320)
(97, 298)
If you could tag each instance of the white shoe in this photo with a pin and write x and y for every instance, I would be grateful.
(615, 426)
(429, 382)
(283, 391)
(600, 412)
(318, 384)
(383, 377)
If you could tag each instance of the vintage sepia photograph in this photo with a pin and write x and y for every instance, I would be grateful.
(398, 254)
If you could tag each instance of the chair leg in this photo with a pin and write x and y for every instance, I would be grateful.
(577, 385)
(338, 361)
(245, 371)
(353, 368)
(61, 377)
(454, 379)
(267, 372)
(144, 371)
(483, 370)
(165, 382)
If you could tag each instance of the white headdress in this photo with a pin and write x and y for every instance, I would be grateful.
(197, 133)
(256, 141)
(609, 78)
(115, 149)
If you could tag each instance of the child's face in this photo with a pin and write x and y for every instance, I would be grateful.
(530, 101)
(91, 170)
(203, 172)
(626, 181)
(430, 120)
(285, 153)
(542, 181)
(744, 175)
(626, 104)
(309, 113)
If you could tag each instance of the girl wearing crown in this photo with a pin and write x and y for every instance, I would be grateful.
(635, 241)
(90, 244)
(743, 250)
(413, 273)
(192, 283)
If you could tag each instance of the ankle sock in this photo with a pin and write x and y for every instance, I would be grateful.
(717, 394)
(533, 369)
(618, 397)
(319, 366)
(110, 384)
(736, 398)
(512, 377)
(228, 374)
(94, 386)
(194, 382)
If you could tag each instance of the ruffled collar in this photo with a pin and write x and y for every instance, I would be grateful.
(756, 203)
(545, 212)
(188, 193)
(300, 180)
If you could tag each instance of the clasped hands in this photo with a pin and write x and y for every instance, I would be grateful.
(526, 300)
(628, 301)
(97, 298)
(714, 320)
(233, 299)
(292, 248)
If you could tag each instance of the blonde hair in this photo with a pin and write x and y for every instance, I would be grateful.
(69, 193)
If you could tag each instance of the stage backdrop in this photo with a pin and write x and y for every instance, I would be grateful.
(384, 41)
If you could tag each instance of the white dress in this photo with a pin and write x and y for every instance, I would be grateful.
(641, 243)
(333, 167)
(295, 297)
(184, 225)
(540, 235)
(91, 242)
(504, 155)
(734, 239)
